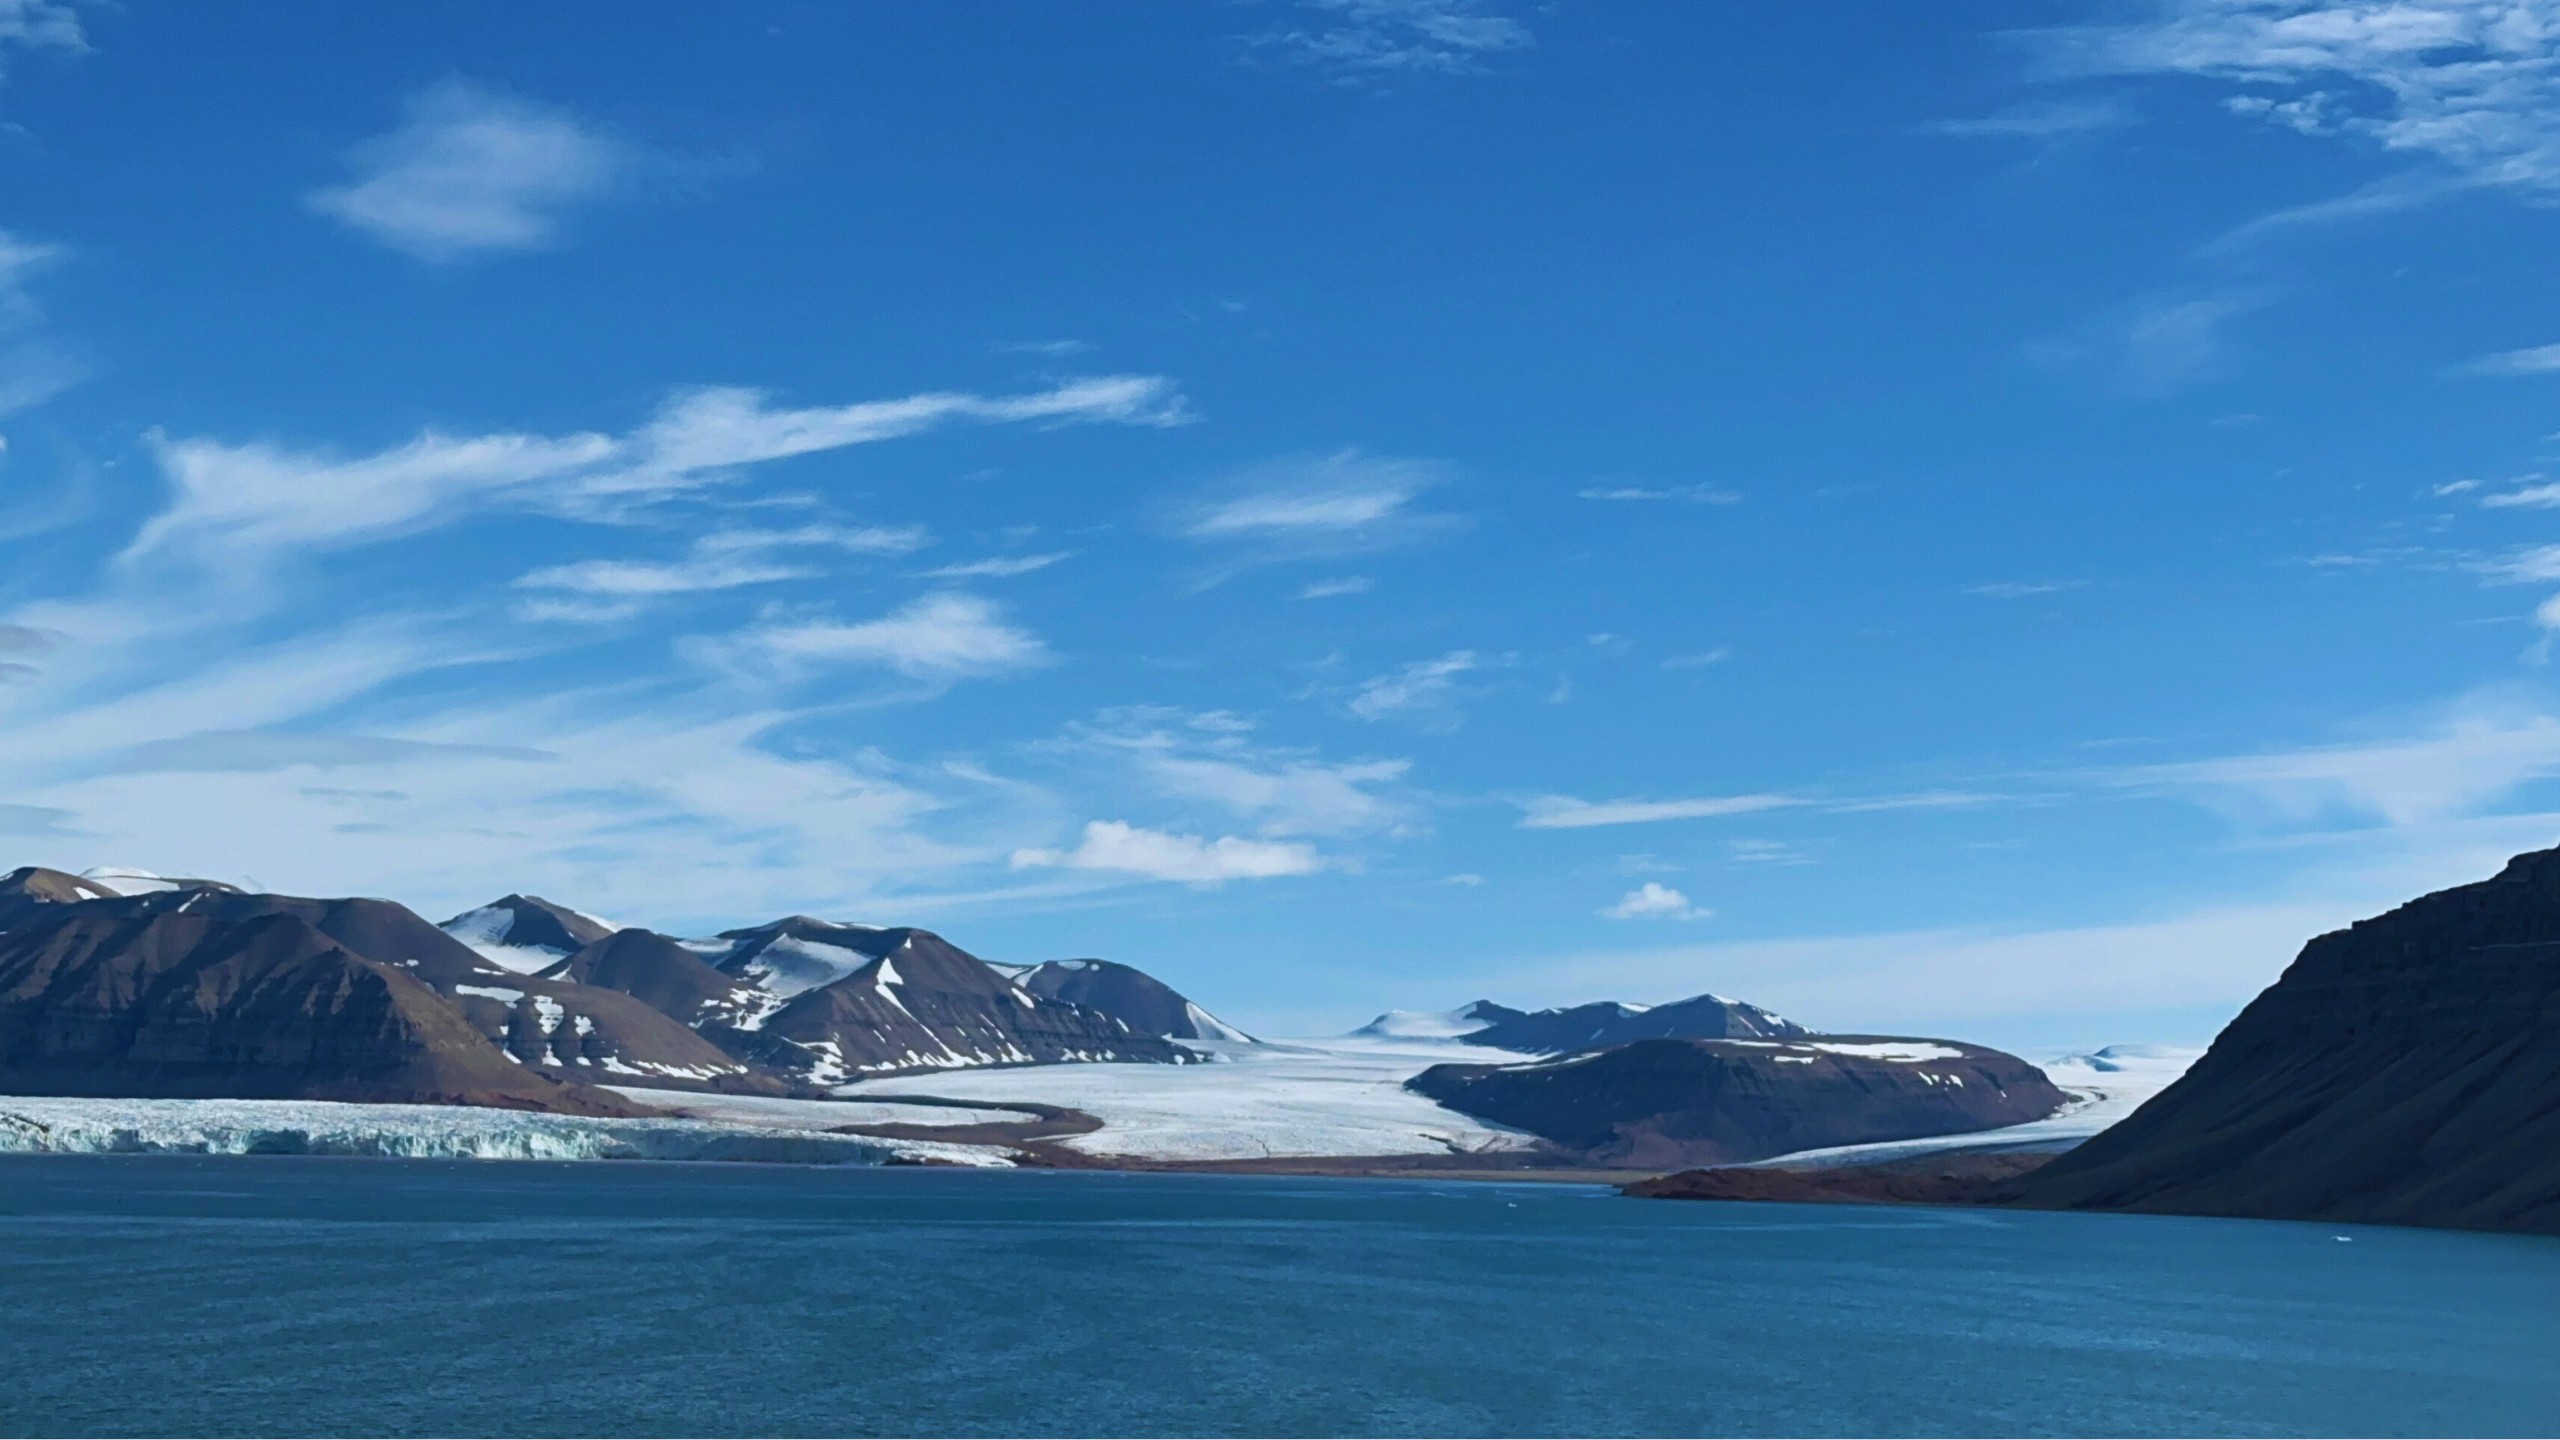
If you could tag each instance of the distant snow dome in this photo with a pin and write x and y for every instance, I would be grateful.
(1426, 1024)
(124, 880)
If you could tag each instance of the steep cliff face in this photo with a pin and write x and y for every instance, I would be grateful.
(2404, 1070)
(1668, 1103)
(157, 999)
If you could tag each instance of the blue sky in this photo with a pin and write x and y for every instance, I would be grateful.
(1996, 520)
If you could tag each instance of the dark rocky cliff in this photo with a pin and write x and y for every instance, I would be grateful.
(1669, 1103)
(2404, 1070)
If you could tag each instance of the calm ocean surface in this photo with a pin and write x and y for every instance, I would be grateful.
(303, 1296)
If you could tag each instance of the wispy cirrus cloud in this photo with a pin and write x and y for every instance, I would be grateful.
(40, 25)
(939, 638)
(245, 500)
(1563, 812)
(32, 368)
(2480, 752)
(1347, 503)
(2040, 120)
(1002, 567)
(1421, 688)
(472, 172)
(1368, 41)
(1115, 846)
(2508, 364)
(2471, 85)
(721, 560)
(2023, 589)
(1693, 494)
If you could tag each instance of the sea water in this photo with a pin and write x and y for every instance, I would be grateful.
(295, 1295)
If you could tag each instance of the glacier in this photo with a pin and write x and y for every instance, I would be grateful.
(58, 1125)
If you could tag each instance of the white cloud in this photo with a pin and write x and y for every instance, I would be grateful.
(1345, 504)
(1111, 845)
(2023, 589)
(940, 637)
(2040, 120)
(2532, 497)
(1654, 900)
(853, 539)
(2539, 360)
(2539, 564)
(659, 577)
(1694, 494)
(2471, 84)
(1420, 686)
(721, 560)
(1465, 880)
(1345, 585)
(714, 429)
(40, 25)
(2455, 487)
(999, 568)
(2480, 754)
(232, 501)
(471, 172)
(32, 369)
(1563, 812)
(1372, 40)
(1698, 661)
(1287, 797)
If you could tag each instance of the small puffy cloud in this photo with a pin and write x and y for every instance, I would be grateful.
(2539, 360)
(472, 172)
(1654, 900)
(999, 568)
(1110, 845)
(941, 637)
(1423, 685)
(1563, 812)
(1465, 880)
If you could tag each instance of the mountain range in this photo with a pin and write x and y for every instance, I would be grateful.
(195, 988)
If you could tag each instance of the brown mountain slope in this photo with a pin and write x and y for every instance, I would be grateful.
(1670, 1103)
(167, 1001)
